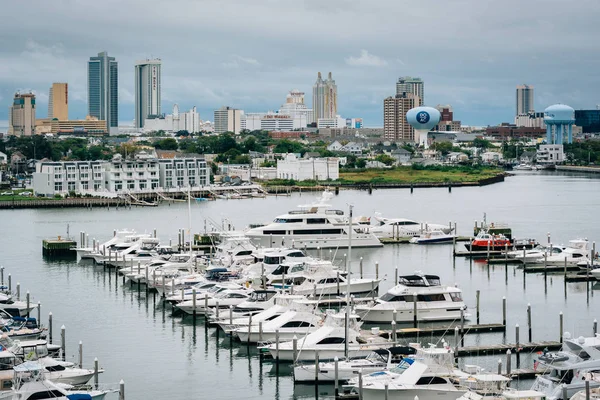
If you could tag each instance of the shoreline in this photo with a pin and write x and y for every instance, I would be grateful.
(146, 198)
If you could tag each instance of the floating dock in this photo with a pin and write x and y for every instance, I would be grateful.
(58, 247)
(413, 332)
(485, 350)
(406, 239)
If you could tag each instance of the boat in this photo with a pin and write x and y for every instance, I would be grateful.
(576, 251)
(434, 301)
(568, 370)
(433, 237)
(532, 255)
(402, 227)
(313, 226)
(482, 385)
(377, 360)
(581, 395)
(65, 372)
(488, 241)
(84, 252)
(14, 307)
(328, 341)
(222, 300)
(525, 167)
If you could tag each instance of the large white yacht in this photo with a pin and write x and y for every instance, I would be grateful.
(577, 251)
(402, 227)
(313, 226)
(434, 301)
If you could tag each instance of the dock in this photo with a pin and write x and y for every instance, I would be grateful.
(406, 239)
(485, 350)
(477, 253)
(441, 330)
(580, 278)
(550, 268)
(58, 247)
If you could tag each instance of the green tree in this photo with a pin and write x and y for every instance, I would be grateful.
(443, 147)
(166, 144)
(287, 146)
(482, 143)
(384, 158)
(361, 163)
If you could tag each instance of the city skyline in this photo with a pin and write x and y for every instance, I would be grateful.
(478, 75)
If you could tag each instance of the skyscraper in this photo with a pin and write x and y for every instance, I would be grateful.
(147, 90)
(324, 98)
(524, 99)
(58, 102)
(228, 119)
(103, 90)
(395, 126)
(408, 84)
(21, 115)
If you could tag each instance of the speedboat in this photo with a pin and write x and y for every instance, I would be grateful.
(13, 307)
(434, 301)
(223, 300)
(431, 237)
(524, 167)
(485, 241)
(313, 226)
(532, 255)
(378, 360)
(329, 282)
(124, 245)
(65, 372)
(576, 252)
(259, 300)
(84, 252)
(402, 227)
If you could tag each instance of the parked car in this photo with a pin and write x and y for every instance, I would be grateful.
(6, 194)
(25, 193)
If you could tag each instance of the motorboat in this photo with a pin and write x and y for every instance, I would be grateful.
(14, 307)
(200, 289)
(377, 360)
(328, 341)
(329, 282)
(125, 244)
(85, 252)
(233, 249)
(302, 318)
(568, 369)
(65, 372)
(143, 251)
(581, 395)
(485, 240)
(525, 167)
(434, 302)
(433, 237)
(222, 300)
(483, 385)
(30, 382)
(268, 260)
(576, 251)
(313, 226)
(532, 255)
(402, 227)
(259, 300)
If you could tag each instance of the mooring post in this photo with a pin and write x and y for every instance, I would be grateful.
(529, 321)
(295, 348)
(462, 327)
(63, 342)
(80, 354)
(499, 366)
(121, 390)
(9, 283)
(39, 314)
(360, 385)
(394, 331)
(316, 368)
(260, 331)
(28, 301)
(456, 343)
(564, 391)
(415, 309)
(338, 283)
(560, 320)
(277, 345)
(587, 389)
(336, 382)
(96, 372)
(504, 311)
(477, 294)
(376, 269)
(396, 276)
(488, 252)
(361, 271)
(595, 326)
(508, 362)
(50, 326)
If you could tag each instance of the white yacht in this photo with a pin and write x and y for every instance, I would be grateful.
(222, 300)
(402, 227)
(569, 369)
(320, 278)
(313, 226)
(119, 235)
(577, 251)
(433, 237)
(434, 301)
(14, 307)
(537, 253)
(65, 372)
(103, 253)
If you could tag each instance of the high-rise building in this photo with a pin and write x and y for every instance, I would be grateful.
(58, 102)
(524, 100)
(395, 126)
(295, 107)
(228, 119)
(147, 90)
(408, 84)
(324, 98)
(103, 90)
(21, 115)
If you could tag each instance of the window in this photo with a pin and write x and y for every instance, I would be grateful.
(431, 297)
(431, 380)
(141, 174)
(456, 296)
(298, 324)
(391, 297)
(332, 340)
(85, 185)
(180, 181)
(316, 221)
(97, 186)
(58, 187)
(117, 175)
(129, 174)
(287, 220)
(71, 186)
(274, 232)
(130, 185)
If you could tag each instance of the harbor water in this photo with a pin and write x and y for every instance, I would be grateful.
(164, 356)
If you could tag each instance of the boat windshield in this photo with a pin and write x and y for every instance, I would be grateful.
(286, 220)
(273, 260)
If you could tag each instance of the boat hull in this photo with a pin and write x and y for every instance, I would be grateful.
(306, 373)
(407, 315)
(324, 354)
(422, 394)
(315, 242)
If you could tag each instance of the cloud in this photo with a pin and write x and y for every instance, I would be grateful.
(366, 59)
(239, 61)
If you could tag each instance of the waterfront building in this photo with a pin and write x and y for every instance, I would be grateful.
(300, 169)
(103, 90)
(147, 90)
(175, 122)
(588, 120)
(143, 174)
(524, 103)
(294, 106)
(550, 154)
(58, 101)
(86, 127)
(395, 125)
(228, 119)
(409, 84)
(21, 115)
(324, 98)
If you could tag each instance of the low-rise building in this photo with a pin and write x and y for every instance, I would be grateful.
(550, 154)
(320, 169)
(491, 157)
(507, 131)
(143, 174)
(88, 126)
(401, 155)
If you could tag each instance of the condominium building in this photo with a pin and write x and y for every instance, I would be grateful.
(21, 115)
(324, 98)
(103, 90)
(395, 125)
(524, 103)
(177, 121)
(144, 174)
(409, 84)
(228, 119)
(147, 90)
(58, 101)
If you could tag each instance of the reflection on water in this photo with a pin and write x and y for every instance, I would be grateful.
(162, 354)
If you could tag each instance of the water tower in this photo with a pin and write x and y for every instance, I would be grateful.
(559, 120)
(422, 119)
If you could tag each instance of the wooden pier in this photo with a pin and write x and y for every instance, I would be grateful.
(441, 330)
(580, 278)
(58, 247)
(550, 269)
(406, 239)
(486, 350)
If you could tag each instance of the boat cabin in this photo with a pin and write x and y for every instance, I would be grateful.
(419, 280)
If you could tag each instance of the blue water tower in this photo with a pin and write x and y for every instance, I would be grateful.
(559, 119)
(422, 119)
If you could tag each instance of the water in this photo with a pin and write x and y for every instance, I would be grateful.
(161, 356)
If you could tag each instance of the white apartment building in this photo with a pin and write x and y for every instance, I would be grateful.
(550, 154)
(119, 176)
(300, 169)
(336, 122)
(294, 106)
(175, 122)
(273, 122)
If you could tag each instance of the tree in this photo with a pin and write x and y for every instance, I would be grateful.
(443, 147)
(481, 143)
(361, 163)
(384, 158)
(287, 146)
(166, 144)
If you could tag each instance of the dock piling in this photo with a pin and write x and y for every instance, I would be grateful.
(338, 283)
(2, 275)
(529, 321)
(462, 326)
(376, 269)
(595, 329)
(336, 381)
(360, 385)
(295, 348)
(477, 294)
(216, 310)
(231, 317)
(50, 327)
(415, 309)
(316, 368)
(499, 366)
(121, 390)
(28, 300)
(39, 313)
(504, 311)
(561, 321)
(456, 344)
(205, 305)
(564, 391)
(361, 270)
(394, 334)
(80, 354)
(63, 342)
(260, 331)
(396, 276)
(18, 291)
(96, 372)
(508, 362)
(9, 283)
(277, 345)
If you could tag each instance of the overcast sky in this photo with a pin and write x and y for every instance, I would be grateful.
(249, 53)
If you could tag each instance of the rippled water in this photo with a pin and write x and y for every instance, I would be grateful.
(164, 356)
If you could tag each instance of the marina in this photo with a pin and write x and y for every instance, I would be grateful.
(195, 351)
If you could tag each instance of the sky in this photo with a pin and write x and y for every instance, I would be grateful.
(249, 54)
